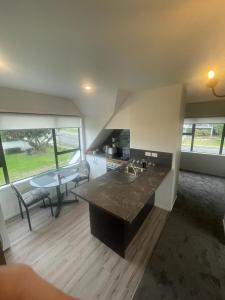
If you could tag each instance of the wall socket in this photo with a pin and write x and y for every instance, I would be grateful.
(148, 154)
(154, 154)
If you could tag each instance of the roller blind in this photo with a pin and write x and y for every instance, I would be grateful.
(210, 120)
(9, 121)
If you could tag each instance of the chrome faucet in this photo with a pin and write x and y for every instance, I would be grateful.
(132, 167)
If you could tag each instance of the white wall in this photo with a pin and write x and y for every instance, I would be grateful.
(19, 101)
(155, 119)
(203, 163)
(161, 194)
(93, 126)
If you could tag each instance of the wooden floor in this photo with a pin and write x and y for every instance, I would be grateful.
(65, 253)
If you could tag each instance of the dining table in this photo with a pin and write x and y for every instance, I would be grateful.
(56, 179)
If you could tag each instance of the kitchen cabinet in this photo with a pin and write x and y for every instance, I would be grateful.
(97, 165)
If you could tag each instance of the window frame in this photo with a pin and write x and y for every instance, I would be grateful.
(192, 134)
(222, 141)
(3, 163)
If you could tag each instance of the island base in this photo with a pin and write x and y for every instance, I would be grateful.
(114, 232)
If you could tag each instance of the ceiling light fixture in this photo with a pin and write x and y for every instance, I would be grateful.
(87, 87)
(212, 82)
(4, 66)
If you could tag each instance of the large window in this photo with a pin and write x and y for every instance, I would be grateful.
(24, 153)
(204, 138)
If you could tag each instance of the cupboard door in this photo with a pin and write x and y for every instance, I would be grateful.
(97, 165)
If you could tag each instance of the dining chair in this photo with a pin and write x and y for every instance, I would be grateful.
(2, 257)
(30, 198)
(83, 174)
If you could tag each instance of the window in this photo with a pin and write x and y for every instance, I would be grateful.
(207, 138)
(67, 139)
(67, 146)
(187, 137)
(68, 158)
(28, 152)
(204, 138)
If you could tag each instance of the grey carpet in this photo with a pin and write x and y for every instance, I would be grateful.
(189, 259)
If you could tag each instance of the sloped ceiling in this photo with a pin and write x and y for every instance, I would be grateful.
(55, 46)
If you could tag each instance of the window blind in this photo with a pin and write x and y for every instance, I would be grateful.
(10, 121)
(210, 120)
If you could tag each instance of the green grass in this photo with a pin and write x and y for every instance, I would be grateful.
(22, 165)
(206, 142)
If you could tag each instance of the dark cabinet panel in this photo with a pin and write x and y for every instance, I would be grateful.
(114, 232)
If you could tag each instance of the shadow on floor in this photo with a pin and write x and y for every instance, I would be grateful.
(189, 260)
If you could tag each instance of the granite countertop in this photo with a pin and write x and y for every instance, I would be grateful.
(126, 200)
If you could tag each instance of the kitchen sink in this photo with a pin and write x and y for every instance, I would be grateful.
(126, 175)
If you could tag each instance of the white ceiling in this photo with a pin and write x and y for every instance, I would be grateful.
(54, 46)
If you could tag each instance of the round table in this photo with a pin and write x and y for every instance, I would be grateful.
(54, 179)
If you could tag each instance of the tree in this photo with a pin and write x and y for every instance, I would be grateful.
(38, 139)
(218, 129)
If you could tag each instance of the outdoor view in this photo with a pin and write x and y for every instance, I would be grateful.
(2, 180)
(207, 138)
(67, 139)
(30, 152)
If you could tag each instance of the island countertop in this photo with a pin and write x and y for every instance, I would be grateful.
(125, 200)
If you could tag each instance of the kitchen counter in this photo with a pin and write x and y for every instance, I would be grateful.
(117, 209)
(124, 201)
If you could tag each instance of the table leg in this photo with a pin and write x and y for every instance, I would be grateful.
(59, 203)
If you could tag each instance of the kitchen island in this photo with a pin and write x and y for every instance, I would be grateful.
(117, 210)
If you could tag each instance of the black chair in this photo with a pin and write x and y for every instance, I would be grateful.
(83, 174)
(30, 198)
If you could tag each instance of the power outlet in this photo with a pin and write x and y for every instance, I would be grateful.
(148, 154)
(154, 154)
